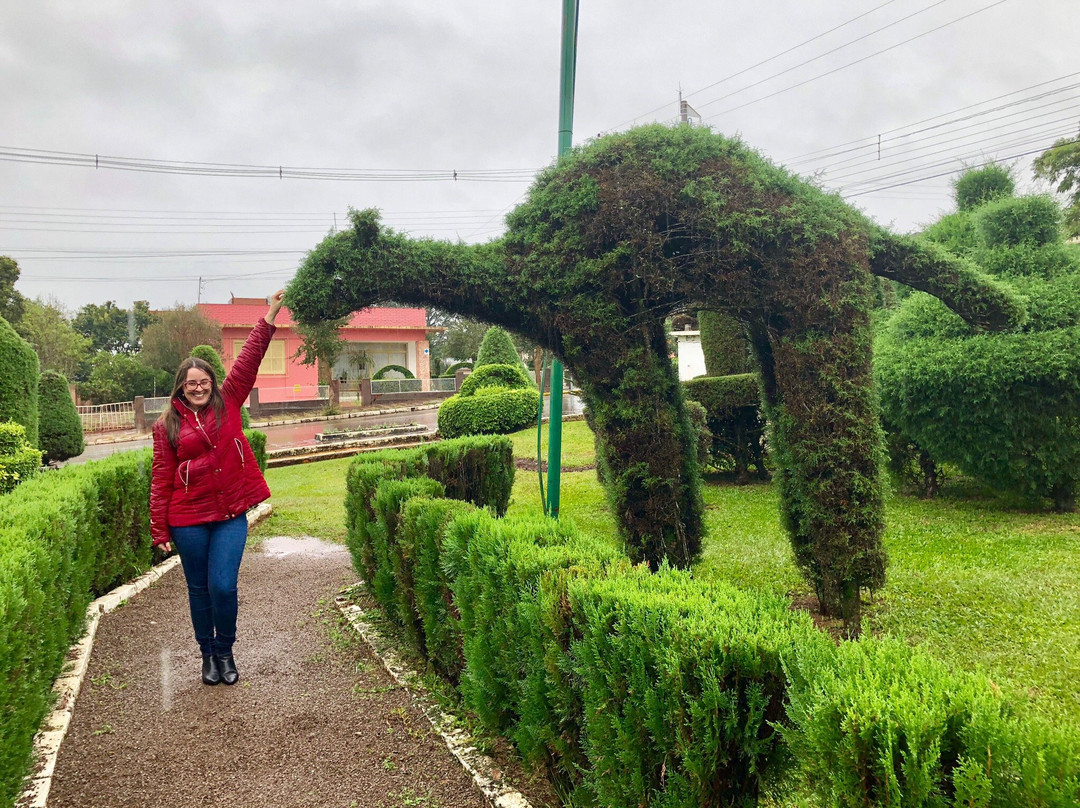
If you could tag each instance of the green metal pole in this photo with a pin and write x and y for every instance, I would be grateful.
(566, 130)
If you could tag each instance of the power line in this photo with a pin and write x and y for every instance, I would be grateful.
(823, 55)
(948, 173)
(798, 157)
(236, 170)
(851, 64)
(772, 58)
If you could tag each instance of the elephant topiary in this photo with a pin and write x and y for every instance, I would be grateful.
(637, 226)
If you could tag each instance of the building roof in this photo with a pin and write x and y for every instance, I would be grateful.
(244, 314)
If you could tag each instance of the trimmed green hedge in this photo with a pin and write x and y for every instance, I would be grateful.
(508, 376)
(489, 411)
(18, 381)
(733, 416)
(65, 538)
(60, 432)
(477, 470)
(257, 440)
(642, 689)
(497, 348)
(381, 372)
(19, 461)
(451, 371)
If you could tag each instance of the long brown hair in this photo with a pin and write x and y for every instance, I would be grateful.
(170, 417)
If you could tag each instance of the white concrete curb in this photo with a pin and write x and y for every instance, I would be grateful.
(66, 688)
(484, 771)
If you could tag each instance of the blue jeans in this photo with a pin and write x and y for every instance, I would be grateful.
(210, 554)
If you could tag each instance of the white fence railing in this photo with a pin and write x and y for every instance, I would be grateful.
(102, 417)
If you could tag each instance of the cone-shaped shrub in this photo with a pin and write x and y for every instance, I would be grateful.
(497, 348)
(18, 381)
(207, 354)
(60, 429)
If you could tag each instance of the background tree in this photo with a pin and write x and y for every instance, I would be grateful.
(177, 330)
(60, 432)
(58, 345)
(111, 328)
(321, 345)
(119, 377)
(462, 339)
(11, 302)
(1061, 164)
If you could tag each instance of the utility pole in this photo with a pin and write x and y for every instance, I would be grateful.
(566, 129)
(198, 297)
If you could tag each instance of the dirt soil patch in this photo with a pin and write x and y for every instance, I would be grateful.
(528, 464)
(314, 720)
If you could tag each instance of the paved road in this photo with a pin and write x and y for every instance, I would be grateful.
(282, 436)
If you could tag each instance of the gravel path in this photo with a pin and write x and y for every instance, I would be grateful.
(314, 720)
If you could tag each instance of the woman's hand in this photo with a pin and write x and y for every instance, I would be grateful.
(276, 300)
(166, 547)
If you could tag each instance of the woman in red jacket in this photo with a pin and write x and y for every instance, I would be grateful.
(204, 480)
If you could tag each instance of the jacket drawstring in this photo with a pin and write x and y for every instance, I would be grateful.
(240, 449)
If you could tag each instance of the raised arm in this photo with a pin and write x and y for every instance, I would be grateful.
(245, 369)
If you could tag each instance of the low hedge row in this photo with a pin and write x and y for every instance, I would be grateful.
(66, 537)
(19, 461)
(641, 689)
(473, 469)
(733, 415)
(257, 440)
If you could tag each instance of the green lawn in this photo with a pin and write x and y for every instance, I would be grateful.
(977, 582)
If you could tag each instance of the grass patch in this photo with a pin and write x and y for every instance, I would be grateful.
(308, 500)
(577, 444)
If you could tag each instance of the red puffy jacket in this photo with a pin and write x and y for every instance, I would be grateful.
(211, 475)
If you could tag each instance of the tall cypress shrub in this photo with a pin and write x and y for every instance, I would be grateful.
(18, 382)
(207, 354)
(60, 429)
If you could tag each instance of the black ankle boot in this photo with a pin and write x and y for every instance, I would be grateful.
(211, 673)
(229, 673)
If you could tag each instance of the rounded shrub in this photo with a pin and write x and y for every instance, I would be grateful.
(980, 185)
(60, 433)
(19, 461)
(18, 381)
(381, 372)
(451, 371)
(514, 378)
(489, 411)
(497, 348)
(1031, 220)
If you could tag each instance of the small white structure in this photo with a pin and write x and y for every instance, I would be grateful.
(691, 357)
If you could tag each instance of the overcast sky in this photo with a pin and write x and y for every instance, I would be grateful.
(411, 91)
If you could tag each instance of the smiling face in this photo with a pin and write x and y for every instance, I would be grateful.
(197, 388)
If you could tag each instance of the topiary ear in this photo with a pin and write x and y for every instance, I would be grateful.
(365, 227)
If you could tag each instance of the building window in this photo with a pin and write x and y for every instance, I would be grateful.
(363, 359)
(273, 363)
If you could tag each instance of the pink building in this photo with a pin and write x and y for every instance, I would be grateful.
(376, 337)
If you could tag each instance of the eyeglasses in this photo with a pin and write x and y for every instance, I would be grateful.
(205, 384)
